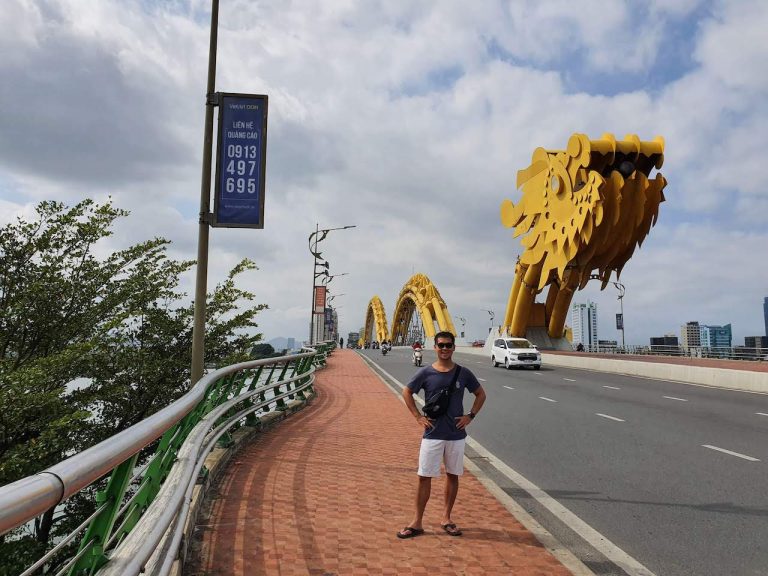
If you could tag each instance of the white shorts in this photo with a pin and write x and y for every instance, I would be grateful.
(435, 452)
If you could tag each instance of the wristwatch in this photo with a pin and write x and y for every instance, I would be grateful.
(472, 415)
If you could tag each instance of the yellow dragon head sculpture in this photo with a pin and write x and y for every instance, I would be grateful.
(584, 208)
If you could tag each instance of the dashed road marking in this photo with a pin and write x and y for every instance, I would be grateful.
(761, 413)
(724, 451)
(482, 380)
(612, 387)
(509, 387)
(547, 399)
(609, 417)
(569, 379)
(675, 398)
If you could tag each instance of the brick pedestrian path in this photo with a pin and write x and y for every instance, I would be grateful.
(326, 490)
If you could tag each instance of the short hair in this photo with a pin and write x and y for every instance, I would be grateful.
(445, 334)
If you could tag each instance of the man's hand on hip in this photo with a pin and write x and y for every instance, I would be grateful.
(425, 422)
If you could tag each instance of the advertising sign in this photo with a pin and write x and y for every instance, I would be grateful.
(241, 157)
(619, 322)
(320, 299)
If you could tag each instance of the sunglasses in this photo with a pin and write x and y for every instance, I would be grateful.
(444, 345)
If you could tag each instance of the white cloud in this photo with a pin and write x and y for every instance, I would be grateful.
(407, 119)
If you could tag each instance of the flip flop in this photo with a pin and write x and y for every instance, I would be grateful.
(451, 529)
(409, 532)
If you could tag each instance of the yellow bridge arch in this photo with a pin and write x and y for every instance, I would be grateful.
(375, 321)
(418, 295)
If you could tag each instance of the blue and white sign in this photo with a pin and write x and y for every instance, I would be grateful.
(241, 161)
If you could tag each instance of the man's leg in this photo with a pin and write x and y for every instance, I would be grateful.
(430, 456)
(454, 467)
(451, 490)
(422, 497)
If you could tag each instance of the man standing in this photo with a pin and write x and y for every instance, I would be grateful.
(443, 440)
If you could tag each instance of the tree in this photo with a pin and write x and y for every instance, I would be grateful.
(118, 323)
(262, 351)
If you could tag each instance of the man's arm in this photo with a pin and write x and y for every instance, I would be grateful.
(414, 410)
(463, 421)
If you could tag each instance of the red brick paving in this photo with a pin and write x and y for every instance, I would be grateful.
(325, 491)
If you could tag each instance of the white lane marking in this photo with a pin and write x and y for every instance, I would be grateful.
(569, 379)
(547, 399)
(612, 387)
(509, 387)
(595, 539)
(482, 380)
(761, 413)
(724, 451)
(537, 373)
(675, 398)
(479, 362)
(609, 417)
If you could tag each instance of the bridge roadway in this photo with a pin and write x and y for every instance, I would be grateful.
(326, 490)
(673, 475)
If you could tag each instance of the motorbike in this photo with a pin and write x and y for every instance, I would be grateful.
(417, 357)
(384, 349)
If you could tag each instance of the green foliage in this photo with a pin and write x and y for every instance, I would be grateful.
(118, 322)
(262, 351)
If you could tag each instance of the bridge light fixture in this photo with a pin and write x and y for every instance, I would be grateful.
(314, 239)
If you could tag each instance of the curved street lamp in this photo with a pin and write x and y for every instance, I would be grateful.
(319, 262)
(492, 315)
(622, 290)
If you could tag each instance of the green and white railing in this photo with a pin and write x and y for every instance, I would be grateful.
(144, 485)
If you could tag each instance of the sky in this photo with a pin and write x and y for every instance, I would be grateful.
(410, 121)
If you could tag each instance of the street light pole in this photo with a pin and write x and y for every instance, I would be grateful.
(622, 289)
(492, 316)
(318, 235)
(201, 277)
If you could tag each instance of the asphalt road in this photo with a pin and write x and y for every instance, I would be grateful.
(675, 475)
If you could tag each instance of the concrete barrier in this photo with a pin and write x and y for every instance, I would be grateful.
(747, 380)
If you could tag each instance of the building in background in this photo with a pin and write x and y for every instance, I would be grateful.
(668, 341)
(756, 341)
(584, 324)
(291, 344)
(690, 335)
(718, 336)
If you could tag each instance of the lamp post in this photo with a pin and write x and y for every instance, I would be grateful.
(463, 323)
(622, 290)
(492, 316)
(329, 277)
(314, 239)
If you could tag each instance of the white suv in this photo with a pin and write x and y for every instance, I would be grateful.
(515, 352)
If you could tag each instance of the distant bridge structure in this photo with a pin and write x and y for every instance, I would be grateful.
(418, 298)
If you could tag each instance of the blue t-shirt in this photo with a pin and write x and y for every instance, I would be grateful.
(432, 381)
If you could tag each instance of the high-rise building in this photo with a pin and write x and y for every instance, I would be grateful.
(291, 344)
(584, 324)
(690, 334)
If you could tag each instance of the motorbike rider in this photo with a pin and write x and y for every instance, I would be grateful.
(417, 351)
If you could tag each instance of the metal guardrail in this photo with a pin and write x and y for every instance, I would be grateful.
(724, 352)
(141, 511)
